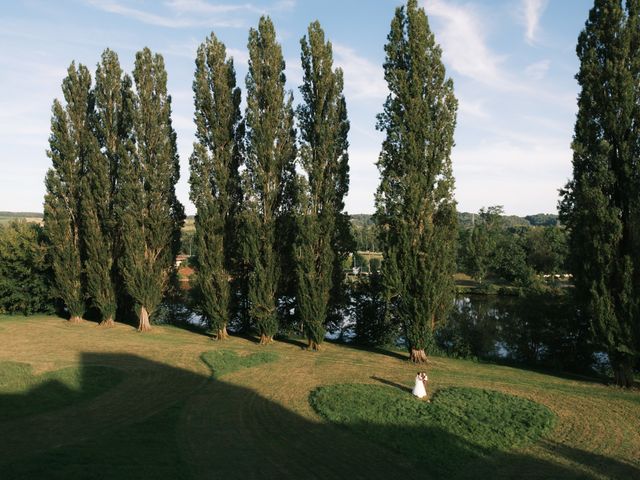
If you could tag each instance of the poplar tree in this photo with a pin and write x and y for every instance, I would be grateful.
(215, 180)
(270, 172)
(99, 187)
(415, 209)
(149, 212)
(601, 203)
(70, 145)
(324, 126)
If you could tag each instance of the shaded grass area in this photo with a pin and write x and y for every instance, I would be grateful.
(223, 362)
(22, 393)
(485, 422)
(148, 449)
(169, 417)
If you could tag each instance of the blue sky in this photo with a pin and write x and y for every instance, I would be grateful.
(512, 61)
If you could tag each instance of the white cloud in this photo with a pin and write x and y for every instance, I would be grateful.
(169, 21)
(192, 13)
(364, 180)
(363, 79)
(472, 108)
(240, 57)
(526, 174)
(531, 12)
(537, 70)
(462, 36)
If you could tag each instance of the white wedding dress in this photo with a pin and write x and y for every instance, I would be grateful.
(419, 390)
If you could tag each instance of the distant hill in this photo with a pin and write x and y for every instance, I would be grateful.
(358, 220)
(466, 220)
(6, 217)
(21, 214)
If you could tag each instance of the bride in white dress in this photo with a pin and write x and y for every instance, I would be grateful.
(419, 390)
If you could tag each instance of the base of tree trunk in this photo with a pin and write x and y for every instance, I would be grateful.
(265, 339)
(418, 356)
(623, 374)
(221, 334)
(108, 323)
(144, 324)
(75, 319)
(313, 345)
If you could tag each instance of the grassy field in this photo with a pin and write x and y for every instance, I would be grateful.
(174, 404)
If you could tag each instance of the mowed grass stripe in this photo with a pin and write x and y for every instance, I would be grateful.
(265, 412)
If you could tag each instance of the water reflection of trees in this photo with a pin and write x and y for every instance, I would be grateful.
(538, 328)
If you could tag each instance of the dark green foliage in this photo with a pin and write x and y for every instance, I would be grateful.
(374, 327)
(601, 204)
(510, 258)
(547, 249)
(149, 212)
(542, 220)
(485, 421)
(270, 174)
(71, 143)
(416, 213)
(322, 236)
(22, 393)
(223, 362)
(482, 241)
(25, 276)
(112, 128)
(215, 180)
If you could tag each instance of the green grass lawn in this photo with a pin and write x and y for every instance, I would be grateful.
(79, 401)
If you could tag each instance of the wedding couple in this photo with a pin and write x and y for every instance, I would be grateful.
(419, 390)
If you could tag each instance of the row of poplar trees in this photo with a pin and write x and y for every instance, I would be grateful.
(111, 214)
(271, 234)
(278, 218)
(266, 233)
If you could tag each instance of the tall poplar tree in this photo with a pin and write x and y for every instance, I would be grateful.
(270, 172)
(324, 126)
(215, 180)
(111, 129)
(149, 212)
(70, 144)
(601, 203)
(415, 209)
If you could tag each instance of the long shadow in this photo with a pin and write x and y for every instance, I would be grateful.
(292, 341)
(364, 348)
(384, 381)
(165, 422)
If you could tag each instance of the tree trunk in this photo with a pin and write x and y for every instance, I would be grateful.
(221, 333)
(144, 325)
(623, 372)
(265, 339)
(313, 345)
(108, 322)
(75, 319)
(418, 356)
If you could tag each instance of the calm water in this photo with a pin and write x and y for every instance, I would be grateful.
(536, 330)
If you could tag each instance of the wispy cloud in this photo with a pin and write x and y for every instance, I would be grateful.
(363, 79)
(191, 13)
(528, 175)
(472, 108)
(463, 38)
(537, 70)
(531, 12)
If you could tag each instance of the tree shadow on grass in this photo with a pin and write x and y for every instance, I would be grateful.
(296, 342)
(404, 388)
(166, 422)
(378, 350)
